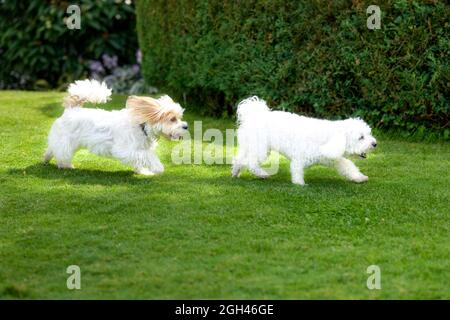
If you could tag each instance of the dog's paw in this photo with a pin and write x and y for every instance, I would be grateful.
(158, 169)
(261, 175)
(235, 172)
(361, 178)
(145, 172)
(66, 166)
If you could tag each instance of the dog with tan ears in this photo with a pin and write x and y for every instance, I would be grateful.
(129, 135)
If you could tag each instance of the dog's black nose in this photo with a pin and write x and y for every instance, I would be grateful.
(185, 126)
(374, 144)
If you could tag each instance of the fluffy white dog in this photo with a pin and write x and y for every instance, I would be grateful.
(129, 135)
(305, 141)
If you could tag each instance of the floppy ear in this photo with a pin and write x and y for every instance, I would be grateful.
(144, 109)
(335, 147)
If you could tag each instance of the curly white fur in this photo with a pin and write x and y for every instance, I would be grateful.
(303, 140)
(82, 91)
(118, 134)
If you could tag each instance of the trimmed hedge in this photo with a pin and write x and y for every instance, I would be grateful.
(313, 57)
(38, 51)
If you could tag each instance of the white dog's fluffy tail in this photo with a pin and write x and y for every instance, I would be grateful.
(82, 91)
(251, 108)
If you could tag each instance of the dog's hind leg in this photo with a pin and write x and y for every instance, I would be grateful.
(238, 163)
(64, 162)
(255, 168)
(258, 171)
(255, 156)
(48, 155)
(348, 169)
(253, 151)
(64, 154)
(297, 173)
(236, 170)
(243, 159)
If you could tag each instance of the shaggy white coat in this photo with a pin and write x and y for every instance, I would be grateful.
(303, 140)
(124, 134)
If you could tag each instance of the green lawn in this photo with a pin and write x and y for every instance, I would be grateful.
(195, 232)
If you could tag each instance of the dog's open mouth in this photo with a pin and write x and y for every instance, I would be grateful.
(363, 155)
(176, 137)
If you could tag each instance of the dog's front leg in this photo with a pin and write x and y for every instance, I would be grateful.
(154, 163)
(146, 162)
(348, 169)
(297, 173)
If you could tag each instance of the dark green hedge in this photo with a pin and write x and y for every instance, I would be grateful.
(315, 57)
(37, 50)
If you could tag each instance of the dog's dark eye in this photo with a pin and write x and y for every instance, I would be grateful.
(362, 137)
(174, 119)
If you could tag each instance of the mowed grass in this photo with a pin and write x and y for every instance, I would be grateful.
(195, 232)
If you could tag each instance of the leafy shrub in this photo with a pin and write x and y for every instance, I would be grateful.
(37, 50)
(313, 57)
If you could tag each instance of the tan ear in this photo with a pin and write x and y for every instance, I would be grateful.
(144, 109)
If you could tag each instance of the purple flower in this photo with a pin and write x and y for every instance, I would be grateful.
(96, 66)
(139, 56)
(109, 62)
(135, 68)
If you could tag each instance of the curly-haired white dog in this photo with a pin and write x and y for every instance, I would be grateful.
(129, 135)
(305, 141)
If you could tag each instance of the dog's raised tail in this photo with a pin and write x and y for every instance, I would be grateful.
(82, 91)
(251, 108)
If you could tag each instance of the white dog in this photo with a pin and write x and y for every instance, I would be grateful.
(129, 135)
(305, 141)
